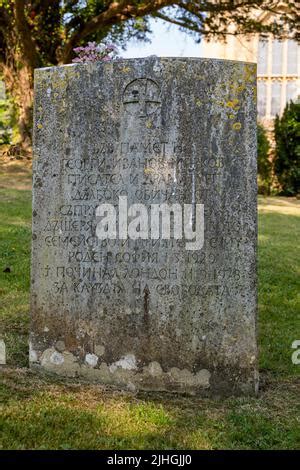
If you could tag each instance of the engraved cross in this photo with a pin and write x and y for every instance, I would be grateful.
(142, 91)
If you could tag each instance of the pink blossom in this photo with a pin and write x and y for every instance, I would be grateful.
(94, 52)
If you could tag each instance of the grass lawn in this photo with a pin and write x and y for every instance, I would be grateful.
(46, 413)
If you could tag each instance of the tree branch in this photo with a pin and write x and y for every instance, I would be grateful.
(207, 17)
(116, 12)
(181, 24)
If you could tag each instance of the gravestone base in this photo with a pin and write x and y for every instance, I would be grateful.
(124, 375)
(146, 312)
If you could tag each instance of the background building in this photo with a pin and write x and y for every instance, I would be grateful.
(278, 68)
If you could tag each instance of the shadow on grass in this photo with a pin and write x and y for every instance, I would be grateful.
(42, 414)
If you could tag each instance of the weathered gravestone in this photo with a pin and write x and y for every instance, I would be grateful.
(135, 308)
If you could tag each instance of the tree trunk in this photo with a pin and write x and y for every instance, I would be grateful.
(19, 84)
(25, 97)
(19, 57)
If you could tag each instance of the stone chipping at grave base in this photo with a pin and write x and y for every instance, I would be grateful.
(2, 352)
(146, 314)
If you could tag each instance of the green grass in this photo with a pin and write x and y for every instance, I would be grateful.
(15, 216)
(46, 413)
(42, 414)
(279, 284)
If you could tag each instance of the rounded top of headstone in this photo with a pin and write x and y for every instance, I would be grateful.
(149, 58)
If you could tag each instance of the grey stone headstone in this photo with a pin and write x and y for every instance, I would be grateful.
(148, 314)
